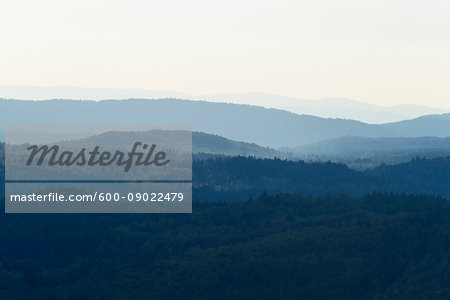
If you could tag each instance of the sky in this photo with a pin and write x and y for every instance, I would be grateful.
(381, 52)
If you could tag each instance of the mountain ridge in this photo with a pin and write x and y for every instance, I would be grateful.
(325, 107)
(266, 127)
(241, 122)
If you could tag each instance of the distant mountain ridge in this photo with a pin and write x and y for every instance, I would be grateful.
(430, 125)
(266, 127)
(325, 108)
(331, 107)
(351, 145)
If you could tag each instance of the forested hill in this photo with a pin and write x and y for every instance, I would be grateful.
(283, 247)
(214, 144)
(238, 178)
(360, 147)
(378, 246)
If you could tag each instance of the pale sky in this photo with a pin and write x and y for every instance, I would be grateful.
(384, 52)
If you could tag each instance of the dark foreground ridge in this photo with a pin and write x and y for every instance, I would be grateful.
(238, 178)
(284, 246)
(380, 246)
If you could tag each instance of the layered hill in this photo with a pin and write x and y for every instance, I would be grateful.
(352, 146)
(266, 127)
(253, 124)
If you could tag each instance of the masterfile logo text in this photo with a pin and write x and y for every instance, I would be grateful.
(146, 157)
(98, 169)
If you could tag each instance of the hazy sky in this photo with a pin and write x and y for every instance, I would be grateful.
(384, 52)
